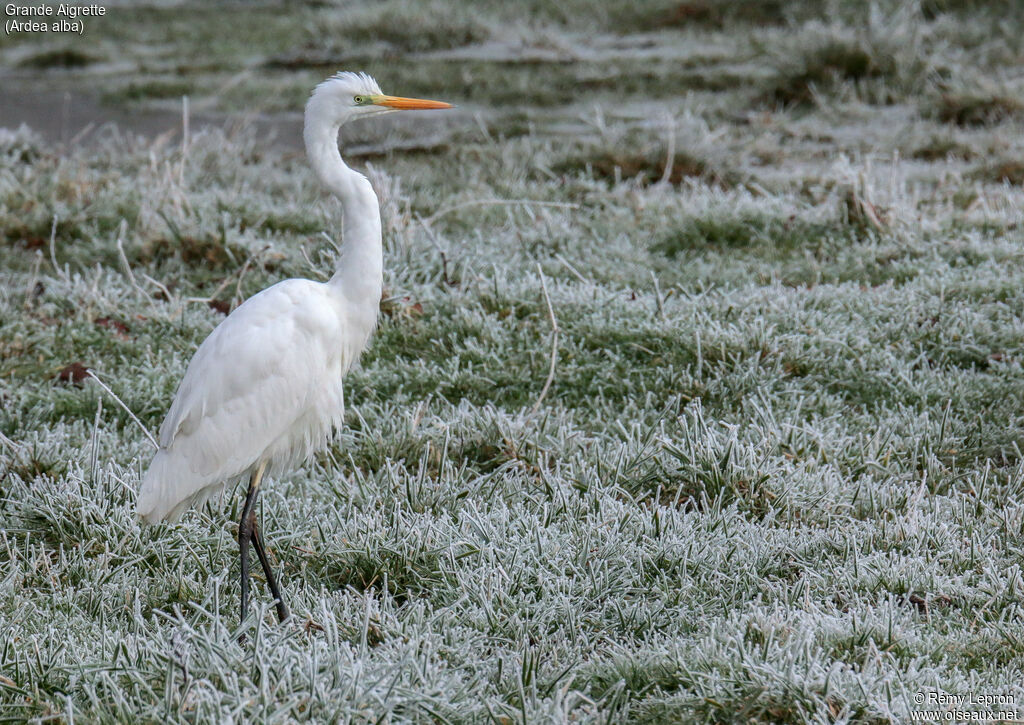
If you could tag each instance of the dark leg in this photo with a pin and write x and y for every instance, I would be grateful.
(245, 533)
(261, 552)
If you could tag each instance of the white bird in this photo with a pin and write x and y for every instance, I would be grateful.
(264, 390)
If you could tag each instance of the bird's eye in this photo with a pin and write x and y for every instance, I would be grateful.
(358, 99)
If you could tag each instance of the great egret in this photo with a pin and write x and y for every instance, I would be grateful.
(264, 390)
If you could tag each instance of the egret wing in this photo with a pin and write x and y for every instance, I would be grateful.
(250, 383)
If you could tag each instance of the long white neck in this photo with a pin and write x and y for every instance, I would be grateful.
(359, 276)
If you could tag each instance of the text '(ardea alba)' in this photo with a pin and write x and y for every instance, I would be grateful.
(264, 390)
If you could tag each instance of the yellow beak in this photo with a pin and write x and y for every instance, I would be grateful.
(408, 104)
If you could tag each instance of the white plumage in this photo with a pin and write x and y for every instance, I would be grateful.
(266, 385)
(264, 390)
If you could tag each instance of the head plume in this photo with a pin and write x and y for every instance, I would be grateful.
(349, 83)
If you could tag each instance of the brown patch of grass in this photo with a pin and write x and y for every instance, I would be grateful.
(211, 253)
(925, 602)
(413, 147)
(976, 109)
(152, 89)
(749, 231)
(220, 306)
(119, 328)
(825, 66)
(62, 58)
(648, 167)
(73, 374)
(932, 9)
(26, 240)
(707, 13)
(433, 27)
(939, 148)
(1009, 171)
(862, 214)
(34, 233)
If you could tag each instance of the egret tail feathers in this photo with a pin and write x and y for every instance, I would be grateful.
(167, 492)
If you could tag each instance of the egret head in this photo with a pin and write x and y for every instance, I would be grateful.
(347, 95)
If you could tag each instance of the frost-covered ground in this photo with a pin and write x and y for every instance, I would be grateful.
(777, 476)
